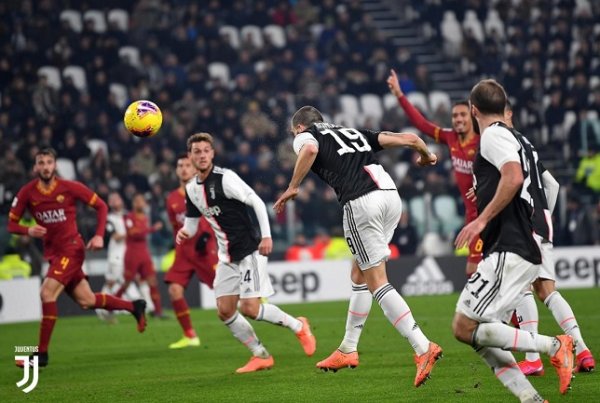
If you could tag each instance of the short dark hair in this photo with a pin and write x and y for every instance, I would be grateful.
(307, 116)
(461, 102)
(47, 151)
(489, 97)
(199, 137)
(182, 156)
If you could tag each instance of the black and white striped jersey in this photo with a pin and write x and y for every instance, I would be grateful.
(346, 160)
(220, 199)
(512, 230)
(115, 224)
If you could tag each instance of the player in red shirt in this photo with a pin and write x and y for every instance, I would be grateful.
(52, 202)
(137, 255)
(463, 142)
(198, 255)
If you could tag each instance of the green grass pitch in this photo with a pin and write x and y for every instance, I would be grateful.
(91, 361)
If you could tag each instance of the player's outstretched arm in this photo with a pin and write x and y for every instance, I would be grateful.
(415, 117)
(410, 140)
(306, 158)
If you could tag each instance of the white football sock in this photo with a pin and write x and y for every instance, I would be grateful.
(527, 314)
(398, 313)
(243, 331)
(506, 370)
(358, 312)
(564, 316)
(508, 338)
(273, 314)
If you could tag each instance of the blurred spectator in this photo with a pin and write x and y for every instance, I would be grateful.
(405, 237)
(299, 250)
(588, 172)
(580, 226)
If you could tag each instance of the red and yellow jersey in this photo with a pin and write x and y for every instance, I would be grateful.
(55, 208)
(176, 210)
(138, 228)
(462, 154)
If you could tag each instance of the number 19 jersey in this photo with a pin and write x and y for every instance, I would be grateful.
(346, 159)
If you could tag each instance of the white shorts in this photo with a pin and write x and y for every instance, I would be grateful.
(115, 271)
(247, 278)
(369, 224)
(547, 266)
(492, 292)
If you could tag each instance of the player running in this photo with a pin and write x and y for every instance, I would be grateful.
(222, 197)
(345, 159)
(463, 142)
(52, 202)
(198, 255)
(508, 192)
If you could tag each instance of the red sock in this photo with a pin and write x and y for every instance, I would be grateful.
(155, 296)
(112, 303)
(121, 291)
(49, 316)
(182, 311)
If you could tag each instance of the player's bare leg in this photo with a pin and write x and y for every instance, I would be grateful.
(243, 331)
(564, 316)
(87, 299)
(258, 310)
(398, 313)
(182, 312)
(346, 355)
(500, 336)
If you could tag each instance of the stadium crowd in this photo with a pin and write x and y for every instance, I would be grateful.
(176, 53)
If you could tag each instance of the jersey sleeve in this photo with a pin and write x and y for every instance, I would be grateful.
(499, 146)
(235, 188)
(302, 139)
(191, 209)
(86, 195)
(439, 134)
(372, 138)
(17, 208)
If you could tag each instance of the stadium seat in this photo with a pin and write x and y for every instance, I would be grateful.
(370, 105)
(419, 100)
(232, 35)
(471, 22)
(132, 53)
(255, 35)
(120, 18)
(77, 73)
(400, 170)
(349, 105)
(120, 93)
(452, 34)
(98, 17)
(66, 168)
(82, 163)
(418, 213)
(277, 35)
(494, 23)
(345, 119)
(445, 209)
(96, 145)
(437, 98)
(434, 245)
(219, 71)
(52, 75)
(568, 122)
(74, 19)
(389, 101)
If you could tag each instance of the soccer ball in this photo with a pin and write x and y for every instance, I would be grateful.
(143, 118)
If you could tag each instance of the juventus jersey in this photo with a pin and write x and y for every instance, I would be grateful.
(346, 159)
(116, 225)
(512, 230)
(220, 199)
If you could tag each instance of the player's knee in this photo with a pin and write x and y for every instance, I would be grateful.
(47, 295)
(175, 291)
(543, 288)
(87, 301)
(250, 309)
(357, 277)
(225, 311)
(462, 332)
